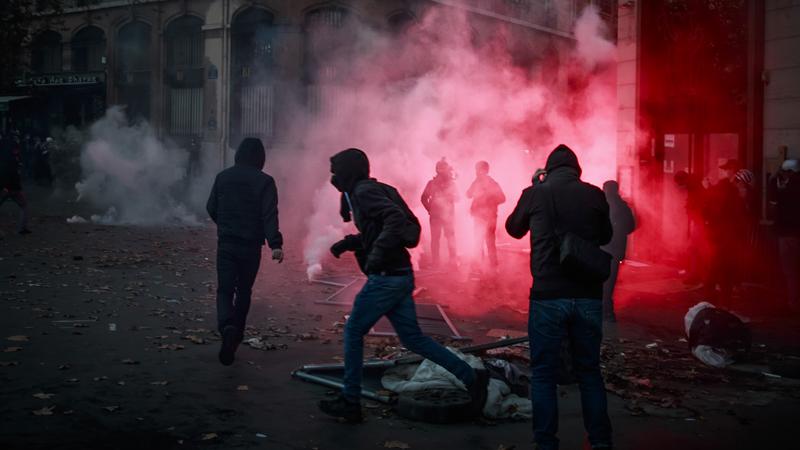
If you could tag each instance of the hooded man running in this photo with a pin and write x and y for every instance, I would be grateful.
(244, 205)
(386, 228)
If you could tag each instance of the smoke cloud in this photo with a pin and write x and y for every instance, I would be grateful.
(136, 178)
(434, 92)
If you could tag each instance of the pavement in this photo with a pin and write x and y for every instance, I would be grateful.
(109, 342)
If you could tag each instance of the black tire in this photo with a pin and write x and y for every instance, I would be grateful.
(436, 405)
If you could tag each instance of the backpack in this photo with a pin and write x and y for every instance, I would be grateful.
(412, 230)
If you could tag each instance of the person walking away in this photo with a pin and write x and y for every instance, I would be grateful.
(439, 198)
(725, 219)
(623, 223)
(696, 254)
(386, 228)
(10, 182)
(486, 196)
(787, 224)
(563, 303)
(244, 205)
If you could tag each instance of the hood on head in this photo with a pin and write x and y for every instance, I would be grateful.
(348, 167)
(562, 156)
(251, 153)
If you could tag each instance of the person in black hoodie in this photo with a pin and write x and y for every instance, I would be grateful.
(386, 227)
(563, 304)
(623, 223)
(244, 205)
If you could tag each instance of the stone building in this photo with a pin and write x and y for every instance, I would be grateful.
(217, 70)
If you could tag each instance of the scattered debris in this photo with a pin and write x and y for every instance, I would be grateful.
(45, 411)
(395, 444)
(209, 436)
(242, 387)
(43, 396)
(18, 338)
(12, 349)
(111, 408)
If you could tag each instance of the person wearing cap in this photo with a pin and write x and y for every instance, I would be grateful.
(439, 198)
(787, 226)
(725, 217)
(244, 205)
(563, 303)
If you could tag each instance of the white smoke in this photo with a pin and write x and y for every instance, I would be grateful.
(134, 177)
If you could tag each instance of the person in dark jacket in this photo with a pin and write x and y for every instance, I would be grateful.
(622, 224)
(787, 226)
(439, 198)
(383, 218)
(486, 196)
(563, 305)
(244, 205)
(10, 183)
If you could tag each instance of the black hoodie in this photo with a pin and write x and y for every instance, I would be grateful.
(244, 200)
(581, 209)
(379, 212)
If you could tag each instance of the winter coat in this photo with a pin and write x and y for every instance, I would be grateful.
(787, 214)
(439, 197)
(622, 224)
(486, 196)
(379, 212)
(244, 203)
(581, 209)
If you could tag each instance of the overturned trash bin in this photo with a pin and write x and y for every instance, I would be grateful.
(716, 337)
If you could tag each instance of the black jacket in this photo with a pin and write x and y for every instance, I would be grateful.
(581, 208)
(9, 165)
(379, 212)
(244, 203)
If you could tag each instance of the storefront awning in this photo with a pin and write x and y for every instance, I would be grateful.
(11, 98)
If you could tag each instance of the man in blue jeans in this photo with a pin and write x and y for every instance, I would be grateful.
(386, 228)
(563, 304)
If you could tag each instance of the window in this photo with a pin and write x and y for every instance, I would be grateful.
(46, 53)
(88, 50)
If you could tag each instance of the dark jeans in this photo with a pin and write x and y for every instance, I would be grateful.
(441, 225)
(580, 321)
(237, 267)
(390, 296)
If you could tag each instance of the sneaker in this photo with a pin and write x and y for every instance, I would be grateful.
(228, 348)
(342, 408)
(478, 390)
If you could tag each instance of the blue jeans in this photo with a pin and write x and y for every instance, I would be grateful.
(580, 321)
(390, 296)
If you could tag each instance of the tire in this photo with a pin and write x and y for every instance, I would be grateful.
(435, 405)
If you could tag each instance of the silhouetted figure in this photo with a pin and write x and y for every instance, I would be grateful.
(386, 227)
(10, 183)
(42, 173)
(726, 219)
(486, 196)
(787, 225)
(695, 226)
(244, 205)
(564, 304)
(439, 198)
(622, 224)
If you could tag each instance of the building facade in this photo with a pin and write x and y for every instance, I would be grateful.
(218, 70)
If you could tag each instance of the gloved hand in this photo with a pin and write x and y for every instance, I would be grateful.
(374, 261)
(539, 176)
(338, 248)
(277, 255)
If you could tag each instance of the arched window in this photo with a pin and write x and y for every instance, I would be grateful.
(88, 50)
(253, 80)
(183, 42)
(328, 50)
(133, 61)
(46, 53)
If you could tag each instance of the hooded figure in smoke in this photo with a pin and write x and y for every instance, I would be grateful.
(486, 196)
(387, 227)
(564, 303)
(439, 199)
(244, 205)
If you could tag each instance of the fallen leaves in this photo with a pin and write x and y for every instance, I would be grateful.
(9, 363)
(12, 349)
(111, 408)
(395, 444)
(45, 411)
(209, 436)
(159, 383)
(130, 361)
(18, 338)
(43, 396)
(242, 387)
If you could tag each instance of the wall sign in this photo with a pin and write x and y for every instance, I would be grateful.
(62, 79)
